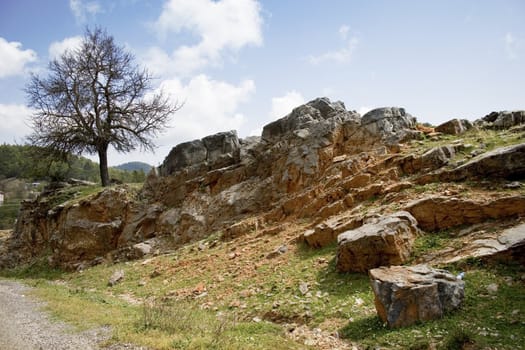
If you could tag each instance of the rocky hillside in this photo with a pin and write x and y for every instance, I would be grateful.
(369, 188)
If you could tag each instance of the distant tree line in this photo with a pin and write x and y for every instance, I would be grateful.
(34, 164)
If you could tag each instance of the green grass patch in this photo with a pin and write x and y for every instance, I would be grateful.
(486, 320)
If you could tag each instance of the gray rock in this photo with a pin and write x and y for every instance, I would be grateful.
(391, 124)
(141, 249)
(223, 149)
(116, 277)
(508, 247)
(304, 116)
(183, 155)
(386, 240)
(212, 152)
(454, 126)
(438, 156)
(505, 162)
(504, 119)
(405, 295)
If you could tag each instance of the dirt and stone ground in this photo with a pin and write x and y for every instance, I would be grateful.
(25, 326)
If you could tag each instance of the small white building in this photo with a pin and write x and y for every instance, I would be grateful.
(1, 197)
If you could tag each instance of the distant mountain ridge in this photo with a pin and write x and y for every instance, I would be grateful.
(131, 166)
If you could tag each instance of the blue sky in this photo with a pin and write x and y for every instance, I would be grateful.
(239, 64)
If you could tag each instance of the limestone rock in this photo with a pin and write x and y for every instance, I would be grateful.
(505, 162)
(212, 152)
(302, 117)
(90, 228)
(406, 295)
(386, 240)
(504, 119)
(116, 277)
(509, 246)
(392, 124)
(223, 149)
(184, 155)
(439, 212)
(327, 231)
(454, 126)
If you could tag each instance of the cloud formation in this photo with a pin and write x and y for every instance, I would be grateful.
(13, 59)
(222, 27)
(14, 119)
(209, 106)
(57, 48)
(283, 105)
(82, 9)
(342, 55)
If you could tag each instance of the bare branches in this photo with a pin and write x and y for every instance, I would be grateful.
(94, 97)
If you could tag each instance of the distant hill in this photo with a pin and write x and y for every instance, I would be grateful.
(130, 166)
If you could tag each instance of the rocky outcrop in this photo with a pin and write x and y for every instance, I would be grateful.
(407, 295)
(454, 127)
(505, 162)
(439, 212)
(434, 158)
(391, 124)
(305, 116)
(508, 246)
(503, 119)
(212, 152)
(92, 227)
(385, 240)
(327, 231)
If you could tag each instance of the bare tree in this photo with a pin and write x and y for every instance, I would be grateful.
(96, 96)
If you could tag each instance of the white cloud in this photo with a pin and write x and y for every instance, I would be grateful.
(363, 110)
(283, 105)
(280, 107)
(511, 46)
(342, 55)
(14, 119)
(82, 9)
(209, 106)
(13, 59)
(221, 26)
(57, 48)
(343, 31)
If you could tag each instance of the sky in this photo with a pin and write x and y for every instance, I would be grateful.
(240, 64)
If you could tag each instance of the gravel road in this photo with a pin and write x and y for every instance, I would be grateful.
(23, 326)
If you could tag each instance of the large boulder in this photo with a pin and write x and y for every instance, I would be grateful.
(184, 155)
(212, 152)
(304, 116)
(440, 212)
(454, 126)
(223, 149)
(392, 124)
(405, 295)
(90, 228)
(504, 119)
(385, 240)
(326, 232)
(505, 162)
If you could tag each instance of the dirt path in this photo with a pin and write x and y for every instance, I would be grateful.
(24, 326)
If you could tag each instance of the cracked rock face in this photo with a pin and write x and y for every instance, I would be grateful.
(386, 240)
(405, 295)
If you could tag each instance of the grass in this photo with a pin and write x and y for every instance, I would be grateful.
(217, 294)
(485, 321)
(194, 304)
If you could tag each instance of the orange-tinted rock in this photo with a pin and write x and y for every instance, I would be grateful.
(386, 240)
(439, 212)
(405, 295)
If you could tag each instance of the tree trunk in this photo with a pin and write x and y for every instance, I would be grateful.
(103, 161)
